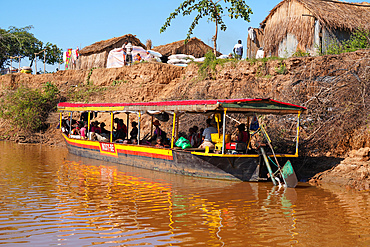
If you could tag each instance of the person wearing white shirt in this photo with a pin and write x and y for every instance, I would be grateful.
(128, 52)
(206, 136)
(238, 49)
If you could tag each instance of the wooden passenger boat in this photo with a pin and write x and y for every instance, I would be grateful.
(206, 163)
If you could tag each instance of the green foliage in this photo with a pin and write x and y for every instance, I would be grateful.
(300, 53)
(89, 75)
(282, 70)
(21, 42)
(29, 108)
(360, 39)
(210, 62)
(211, 9)
(116, 82)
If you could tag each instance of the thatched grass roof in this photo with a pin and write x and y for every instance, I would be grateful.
(334, 14)
(298, 17)
(100, 46)
(194, 47)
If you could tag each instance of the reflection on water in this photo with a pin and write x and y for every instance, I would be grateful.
(49, 198)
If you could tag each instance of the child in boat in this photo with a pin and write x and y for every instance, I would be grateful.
(83, 131)
(159, 142)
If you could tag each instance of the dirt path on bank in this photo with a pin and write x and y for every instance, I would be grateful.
(335, 89)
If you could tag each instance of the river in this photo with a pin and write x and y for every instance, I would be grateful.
(50, 197)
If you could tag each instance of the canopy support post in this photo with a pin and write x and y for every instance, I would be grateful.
(173, 130)
(60, 120)
(111, 126)
(224, 131)
(151, 128)
(138, 132)
(298, 122)
(88, 125)
(127, 123)
(70, 123)
(177, 126)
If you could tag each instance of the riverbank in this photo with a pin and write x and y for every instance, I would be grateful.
(335, 89)
(352, 173)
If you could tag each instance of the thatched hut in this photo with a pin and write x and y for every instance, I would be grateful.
(310, 25)
(96, 55)
(194, 47)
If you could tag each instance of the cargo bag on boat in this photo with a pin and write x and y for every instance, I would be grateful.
(183, 143)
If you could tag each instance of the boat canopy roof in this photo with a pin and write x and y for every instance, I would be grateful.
(248, 106)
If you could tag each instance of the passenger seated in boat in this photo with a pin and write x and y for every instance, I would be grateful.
(121, 130)
(103, 130)
(64, 128)
(192, 137)
(76, 128)
(197, 135)
(134, 131)
(206, 136)
(158, 132)
(95, 127)
(243, 136)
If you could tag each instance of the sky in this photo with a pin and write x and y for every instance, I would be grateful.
(72, 24)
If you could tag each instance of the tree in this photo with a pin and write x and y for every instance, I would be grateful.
(214, 10)
(21, 42)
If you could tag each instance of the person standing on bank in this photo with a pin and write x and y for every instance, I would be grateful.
(129, 47)
(238, 50)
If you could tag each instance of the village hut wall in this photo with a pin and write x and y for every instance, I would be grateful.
(96, 55)
(253, 46)
(289, 27)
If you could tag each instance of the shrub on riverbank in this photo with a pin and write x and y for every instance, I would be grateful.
(28, 108)
(360, 39)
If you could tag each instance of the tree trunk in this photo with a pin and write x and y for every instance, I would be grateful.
(215, 41)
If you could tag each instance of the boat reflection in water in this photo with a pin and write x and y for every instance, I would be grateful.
(50, 197)
(161, 209)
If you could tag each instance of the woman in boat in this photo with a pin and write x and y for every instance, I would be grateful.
(243, 136)
(158, 132)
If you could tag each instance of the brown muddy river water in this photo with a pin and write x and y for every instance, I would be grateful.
(49, 198)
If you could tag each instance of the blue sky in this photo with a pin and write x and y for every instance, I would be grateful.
(69, 24)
